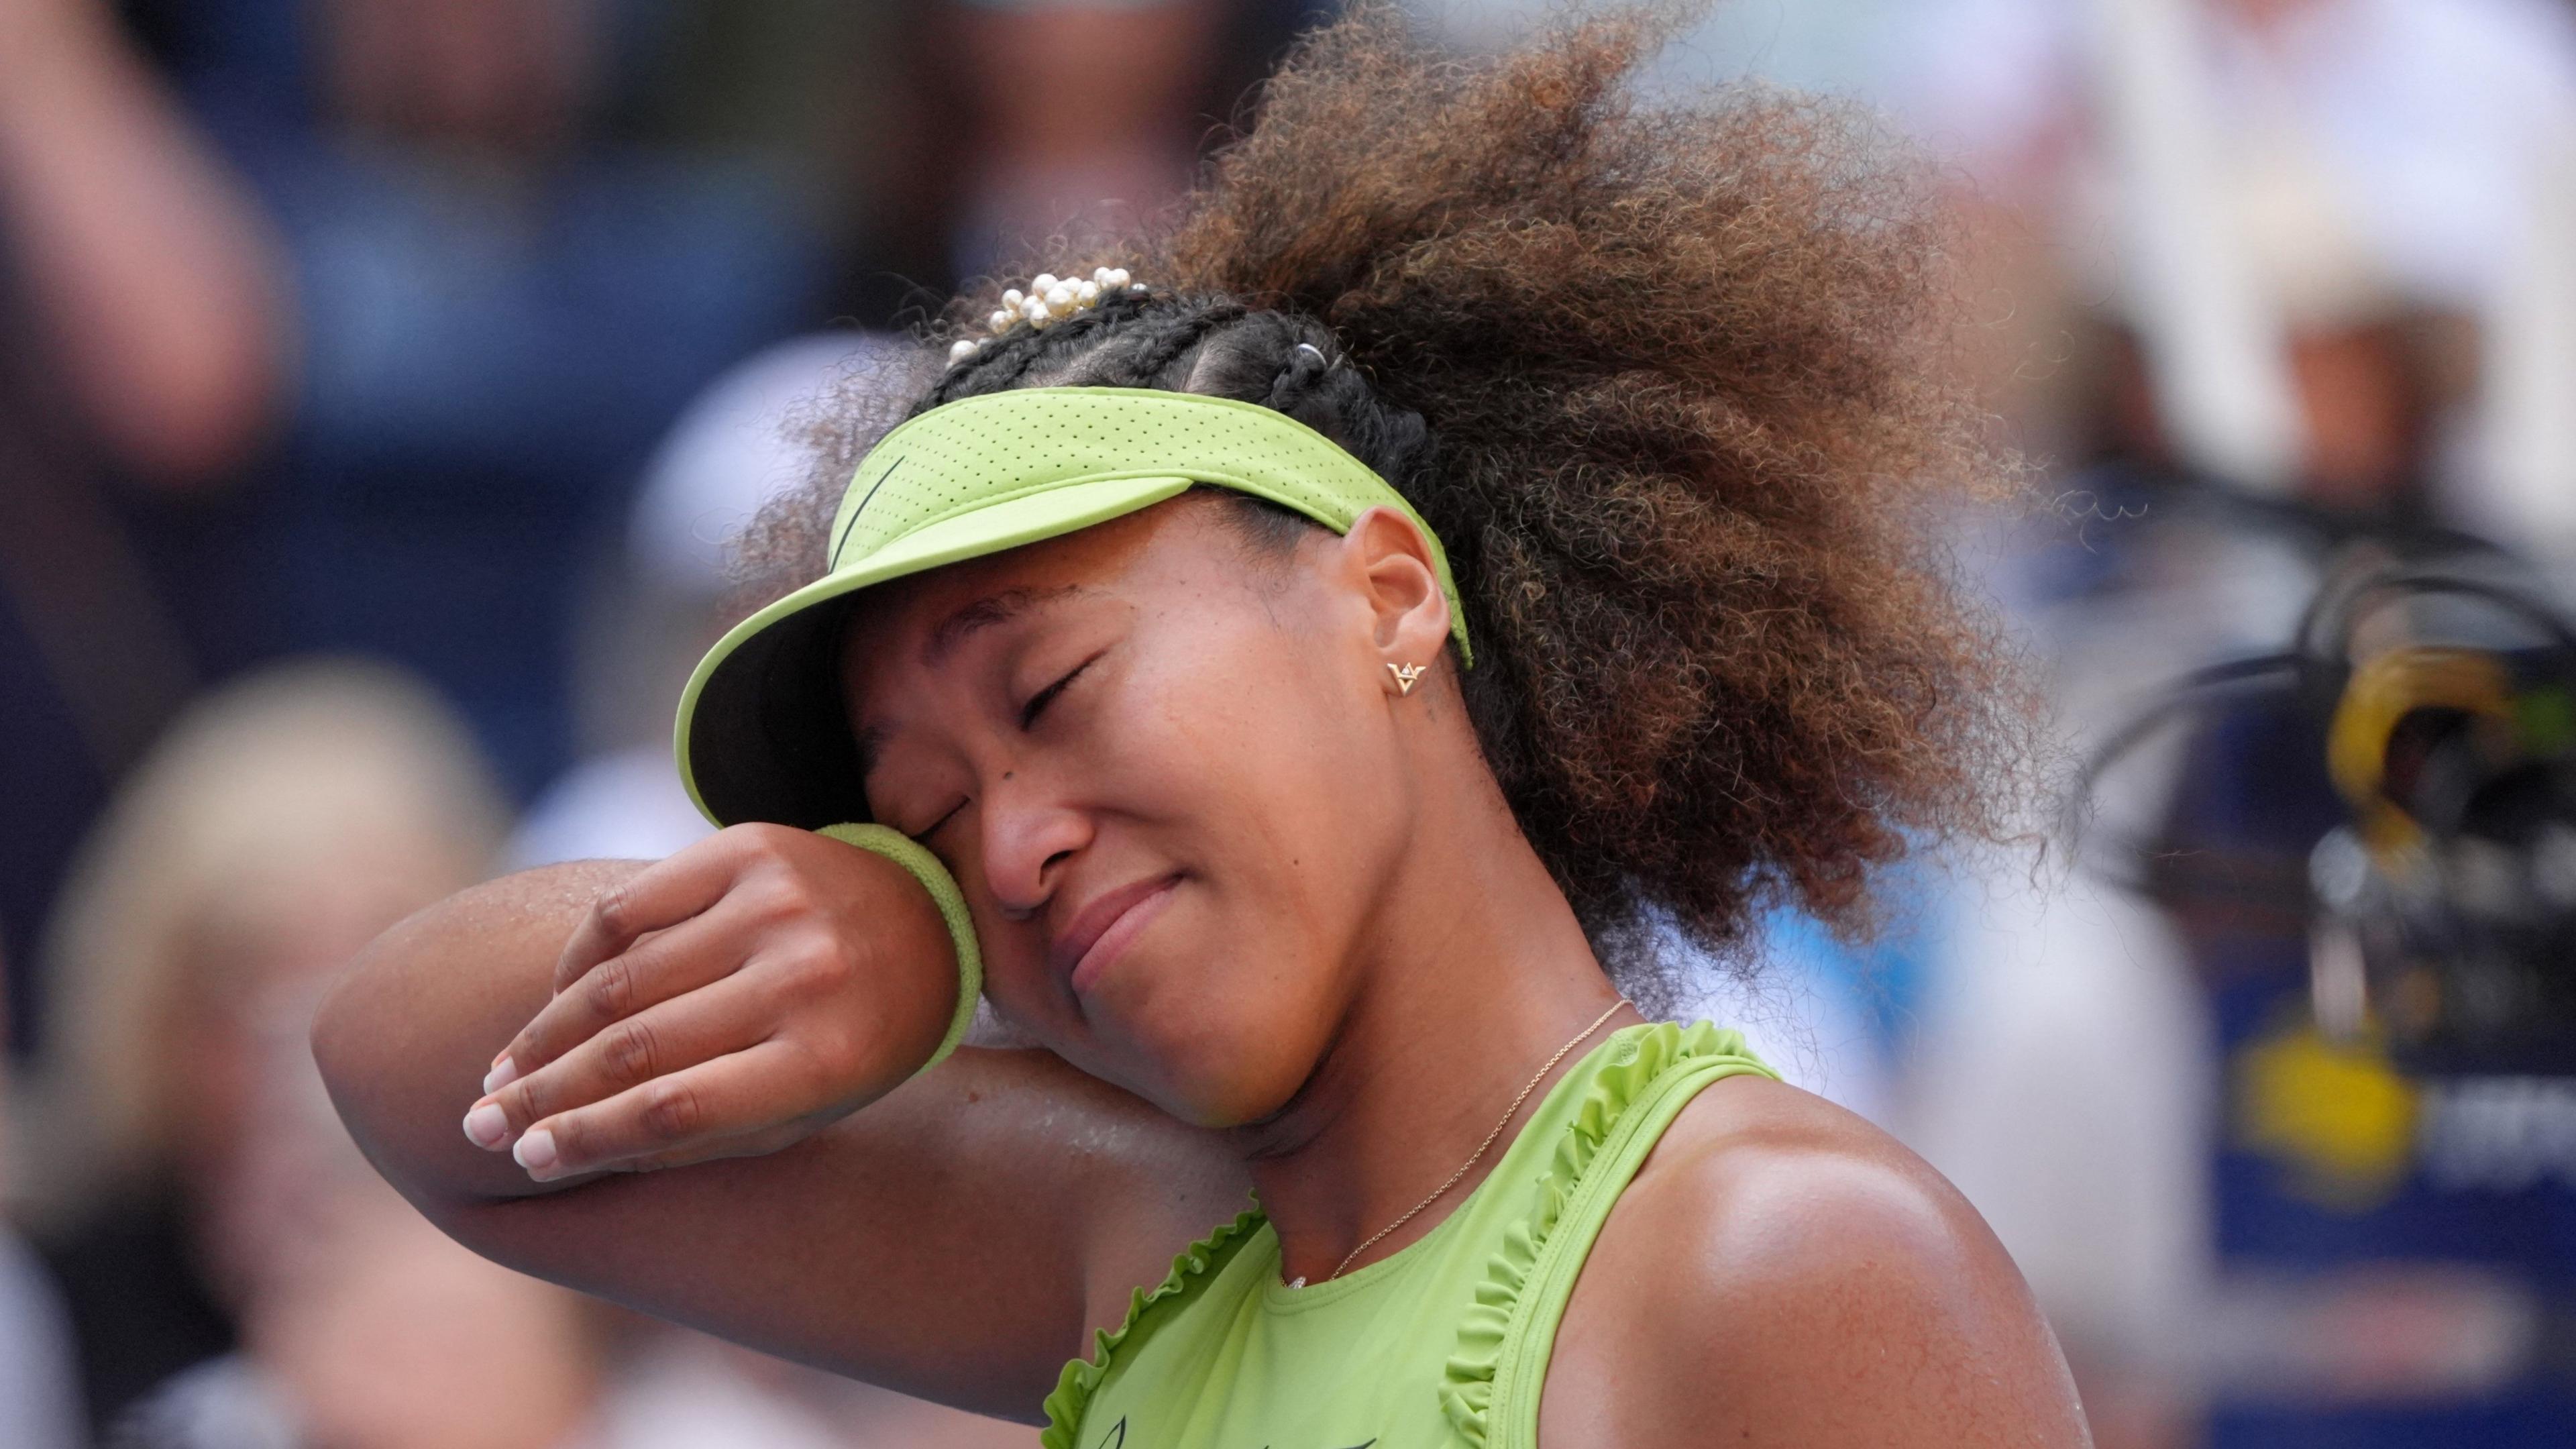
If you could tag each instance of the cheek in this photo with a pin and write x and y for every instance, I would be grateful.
(1275, 776)
(1262, 763)
(1272, 763)
(1231, 776)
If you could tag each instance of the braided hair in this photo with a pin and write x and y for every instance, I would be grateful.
(1675, 387)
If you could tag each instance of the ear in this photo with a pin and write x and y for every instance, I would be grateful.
(1386, 558)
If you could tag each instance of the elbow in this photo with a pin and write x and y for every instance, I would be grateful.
(377, 1096)
(390, 1039)
(353, 1080)
(330, 1037)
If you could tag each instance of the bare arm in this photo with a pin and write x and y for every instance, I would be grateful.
(153, 272)
(953, 1239)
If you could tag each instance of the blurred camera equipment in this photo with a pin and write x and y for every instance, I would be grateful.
(2441, 912)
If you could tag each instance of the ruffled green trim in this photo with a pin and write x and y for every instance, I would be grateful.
(1632, 1061)
(1081, 1377)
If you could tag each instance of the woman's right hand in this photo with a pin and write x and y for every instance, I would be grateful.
(725, 1002)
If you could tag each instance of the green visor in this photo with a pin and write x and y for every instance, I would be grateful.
(762, 733)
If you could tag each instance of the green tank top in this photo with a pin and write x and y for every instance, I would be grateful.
(1444, 1343)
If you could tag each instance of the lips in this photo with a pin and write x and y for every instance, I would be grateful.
(1103, 928)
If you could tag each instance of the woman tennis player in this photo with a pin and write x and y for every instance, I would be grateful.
(1311, 674)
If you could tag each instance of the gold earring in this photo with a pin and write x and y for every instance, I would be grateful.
(1405, 675)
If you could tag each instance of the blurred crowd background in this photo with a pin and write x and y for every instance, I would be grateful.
(379, 380)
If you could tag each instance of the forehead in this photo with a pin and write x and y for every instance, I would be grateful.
(917, 622)
(908, 616)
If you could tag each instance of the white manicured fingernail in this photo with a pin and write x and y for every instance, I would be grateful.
(487, 1124)
(503, 1073)
(536, 1151)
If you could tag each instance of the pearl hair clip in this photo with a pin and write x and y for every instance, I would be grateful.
(1050, 299)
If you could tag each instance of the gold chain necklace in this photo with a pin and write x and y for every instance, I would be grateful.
(1473, 1157)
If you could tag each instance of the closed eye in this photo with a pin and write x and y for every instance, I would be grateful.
(922, 836)
(1038, 702)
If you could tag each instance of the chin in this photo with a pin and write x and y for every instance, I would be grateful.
(1235, 1078)
(1217, 1105)
(1209, 1064)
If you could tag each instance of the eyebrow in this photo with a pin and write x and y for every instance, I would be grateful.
(985, 613)
(956, 629)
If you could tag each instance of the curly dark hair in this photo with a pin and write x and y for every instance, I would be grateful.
(1674, 384)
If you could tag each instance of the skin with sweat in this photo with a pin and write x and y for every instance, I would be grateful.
(1274, 925)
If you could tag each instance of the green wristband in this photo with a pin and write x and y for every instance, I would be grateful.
(904, 851)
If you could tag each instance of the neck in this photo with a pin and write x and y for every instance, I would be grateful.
(1475, 975)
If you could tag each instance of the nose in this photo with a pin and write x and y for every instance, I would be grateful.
(1027, 839)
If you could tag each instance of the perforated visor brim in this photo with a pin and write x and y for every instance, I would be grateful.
(763, 733)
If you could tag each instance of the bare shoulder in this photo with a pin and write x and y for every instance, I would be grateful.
(1783, 1272)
